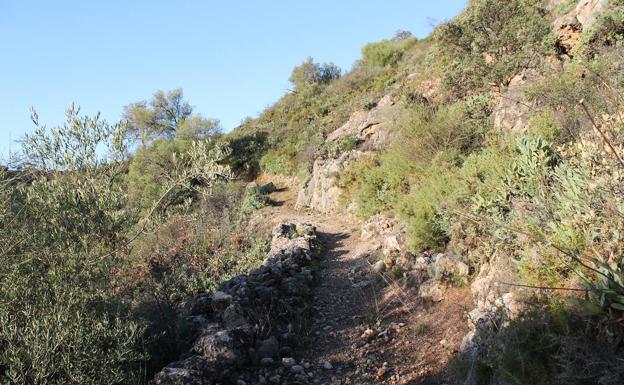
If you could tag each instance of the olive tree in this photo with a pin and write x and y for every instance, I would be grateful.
(310, 73)
(65, 234)
(167, 115)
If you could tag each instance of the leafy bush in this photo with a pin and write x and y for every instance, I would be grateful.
(545, 125)
(551, 344)
(337, 147)
(607, 31)
(386, 52)
(159, 168)
(557, 205)
(69, 226)
(560, 94)
(247, 149)
(490, 43)
(275, 163)
(60, 232)
(429, 133)
(149, 170)
(310, 73)
(565, 7)
(254, 199)
(420, 209)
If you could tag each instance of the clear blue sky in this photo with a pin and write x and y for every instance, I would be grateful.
(232, 58)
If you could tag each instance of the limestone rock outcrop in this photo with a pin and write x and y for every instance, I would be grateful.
(569, 27)
(372, 130)
(513, 110)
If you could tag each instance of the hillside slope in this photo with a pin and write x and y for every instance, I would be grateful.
(496, 141)
(449, 211)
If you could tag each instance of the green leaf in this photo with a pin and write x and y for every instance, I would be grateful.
(589, 308)
(617, 306)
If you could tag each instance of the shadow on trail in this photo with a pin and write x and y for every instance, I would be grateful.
(332, 243)
(540, 348)
(276, 203)
(342, 305)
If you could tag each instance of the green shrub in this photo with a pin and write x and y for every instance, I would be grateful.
(150, 168)
(275, 163)
(342, 145)
(75, 237)
(360, 79)
(606, 32)
(557, 206)
(560, 94)
(546, 126)
(61, 231)
(386, 52)
(176, 168)
(373, 184)
(247, 150)
(446, 132)
(310, 73)
(63, 331)
(490, 43)
(565, 7)
(254, 199)
(421, 208)
(551, 344)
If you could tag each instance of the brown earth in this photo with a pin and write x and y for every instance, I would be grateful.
(368, 328)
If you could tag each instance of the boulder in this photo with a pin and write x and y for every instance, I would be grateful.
(371, 127)
(321, 192)
(218, 348)
(234, 318)
(587, 11)
(376, 226)
(487, 290)
(449, 267)
(415, 278)
(379, 267)
(405, 261)
(395, 243)
(568, 28)
(201, 305)
(513, 110)
(191, 371)
(221, 300)
(431, 291)
(268, 348)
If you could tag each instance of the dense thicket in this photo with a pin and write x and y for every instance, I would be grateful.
(99, 248)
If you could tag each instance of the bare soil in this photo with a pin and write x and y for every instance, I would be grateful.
(368, 328)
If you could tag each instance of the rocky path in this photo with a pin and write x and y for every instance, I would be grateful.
(323, 315)
(368, 329)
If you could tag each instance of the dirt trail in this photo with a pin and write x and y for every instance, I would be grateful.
(368, 329)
